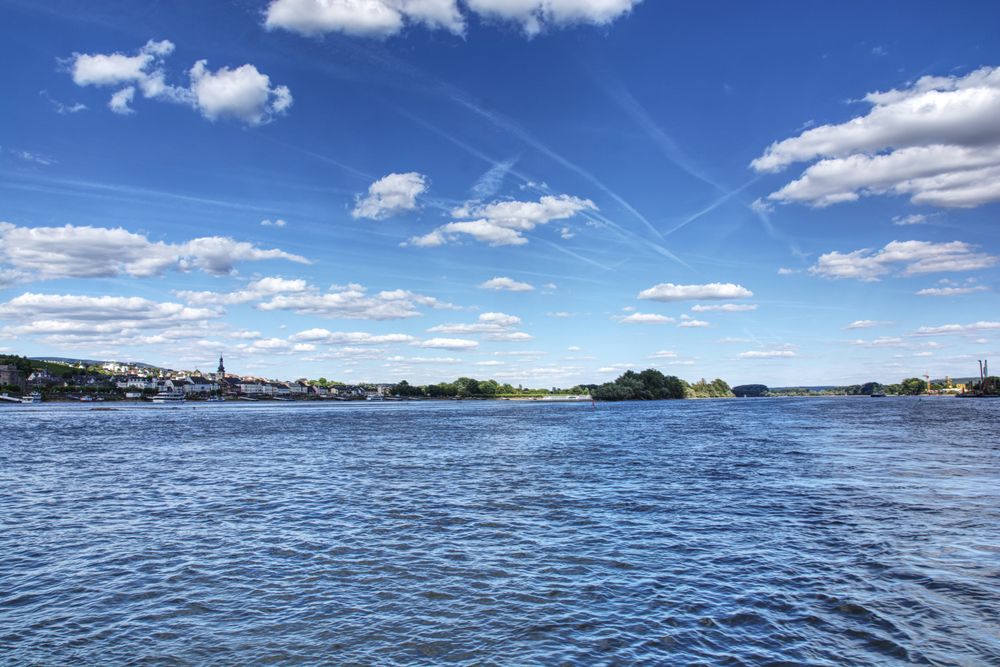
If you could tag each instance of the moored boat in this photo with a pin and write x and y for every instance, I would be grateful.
(169, 397)
(33, 397)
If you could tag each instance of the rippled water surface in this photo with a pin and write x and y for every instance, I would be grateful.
(803, 531)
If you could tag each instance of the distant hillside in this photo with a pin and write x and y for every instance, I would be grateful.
(90, 362)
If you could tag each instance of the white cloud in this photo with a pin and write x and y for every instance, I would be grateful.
(767, 354)
(948, 329)
(499, 327)
(881, 341)
(67, 319)
(865, 324)
(349, 337)
(256, 290)
(693, 324)
(644, 318)
(121, 101)
(906, 258)
(787, 272)
(535, 15)
(383, 18)
(502, 283)
(44, 253)
(243, 92)
(912, 219)
(366, 18)
(663, 354)
(510, 337)
(488, 323)
(561, 314)
(503, 222)
(936, 141)
(724, 308)
(353, 302)
(447, 344)
(672, 292)
(398, 359)
(391, 195)
(273, 223)
(952, 291)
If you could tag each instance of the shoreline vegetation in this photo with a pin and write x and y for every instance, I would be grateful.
(87, 381)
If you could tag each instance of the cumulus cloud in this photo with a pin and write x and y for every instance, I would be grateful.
(354, 302)
(865, 324)
(767, 354)
(256, 290)
(68, 319)
(693, 324)
(391, 195)
(243, 92)
(724, 308)
(672, 292)
(907, 258)
(505, 284)
(936, 140)
(383, 18)
(349, 337)
(644, 318)
(43, 253)
(447, 344)
(951, 329)
(499, 327)
(487, 323)
(503, 222)
(952, 291)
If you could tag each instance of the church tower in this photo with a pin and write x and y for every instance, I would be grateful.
(222, 369)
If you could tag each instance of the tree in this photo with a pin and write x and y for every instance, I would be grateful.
(912, 387)
(750, 390)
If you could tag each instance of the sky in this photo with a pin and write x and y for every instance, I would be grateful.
(545, 192)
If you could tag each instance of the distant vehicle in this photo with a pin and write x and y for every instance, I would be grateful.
(169, 397)
(33, 397)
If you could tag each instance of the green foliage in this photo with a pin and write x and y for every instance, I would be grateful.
(750, 390)
(715, 389)
(912, 387)
(650, 384)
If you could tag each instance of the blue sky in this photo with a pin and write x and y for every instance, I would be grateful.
(542, 191)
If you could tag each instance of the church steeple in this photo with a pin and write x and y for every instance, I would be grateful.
(222, 369)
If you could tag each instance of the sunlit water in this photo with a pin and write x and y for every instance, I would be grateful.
(803, 531)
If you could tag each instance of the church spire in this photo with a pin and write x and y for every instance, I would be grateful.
(222, 369)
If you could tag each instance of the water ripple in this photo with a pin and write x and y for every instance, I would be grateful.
(753, 532)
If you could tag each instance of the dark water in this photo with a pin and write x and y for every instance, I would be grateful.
(795, 531)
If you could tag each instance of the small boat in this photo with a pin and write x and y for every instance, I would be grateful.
(247, 398)
(878, 394)
(215, 399)
(169, 397)
(33, 397)
(374, 397)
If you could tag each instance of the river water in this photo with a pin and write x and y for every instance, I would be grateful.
(734, 532)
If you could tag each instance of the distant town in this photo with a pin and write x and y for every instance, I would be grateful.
(26, 380)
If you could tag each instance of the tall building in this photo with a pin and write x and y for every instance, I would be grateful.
(222, 370)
